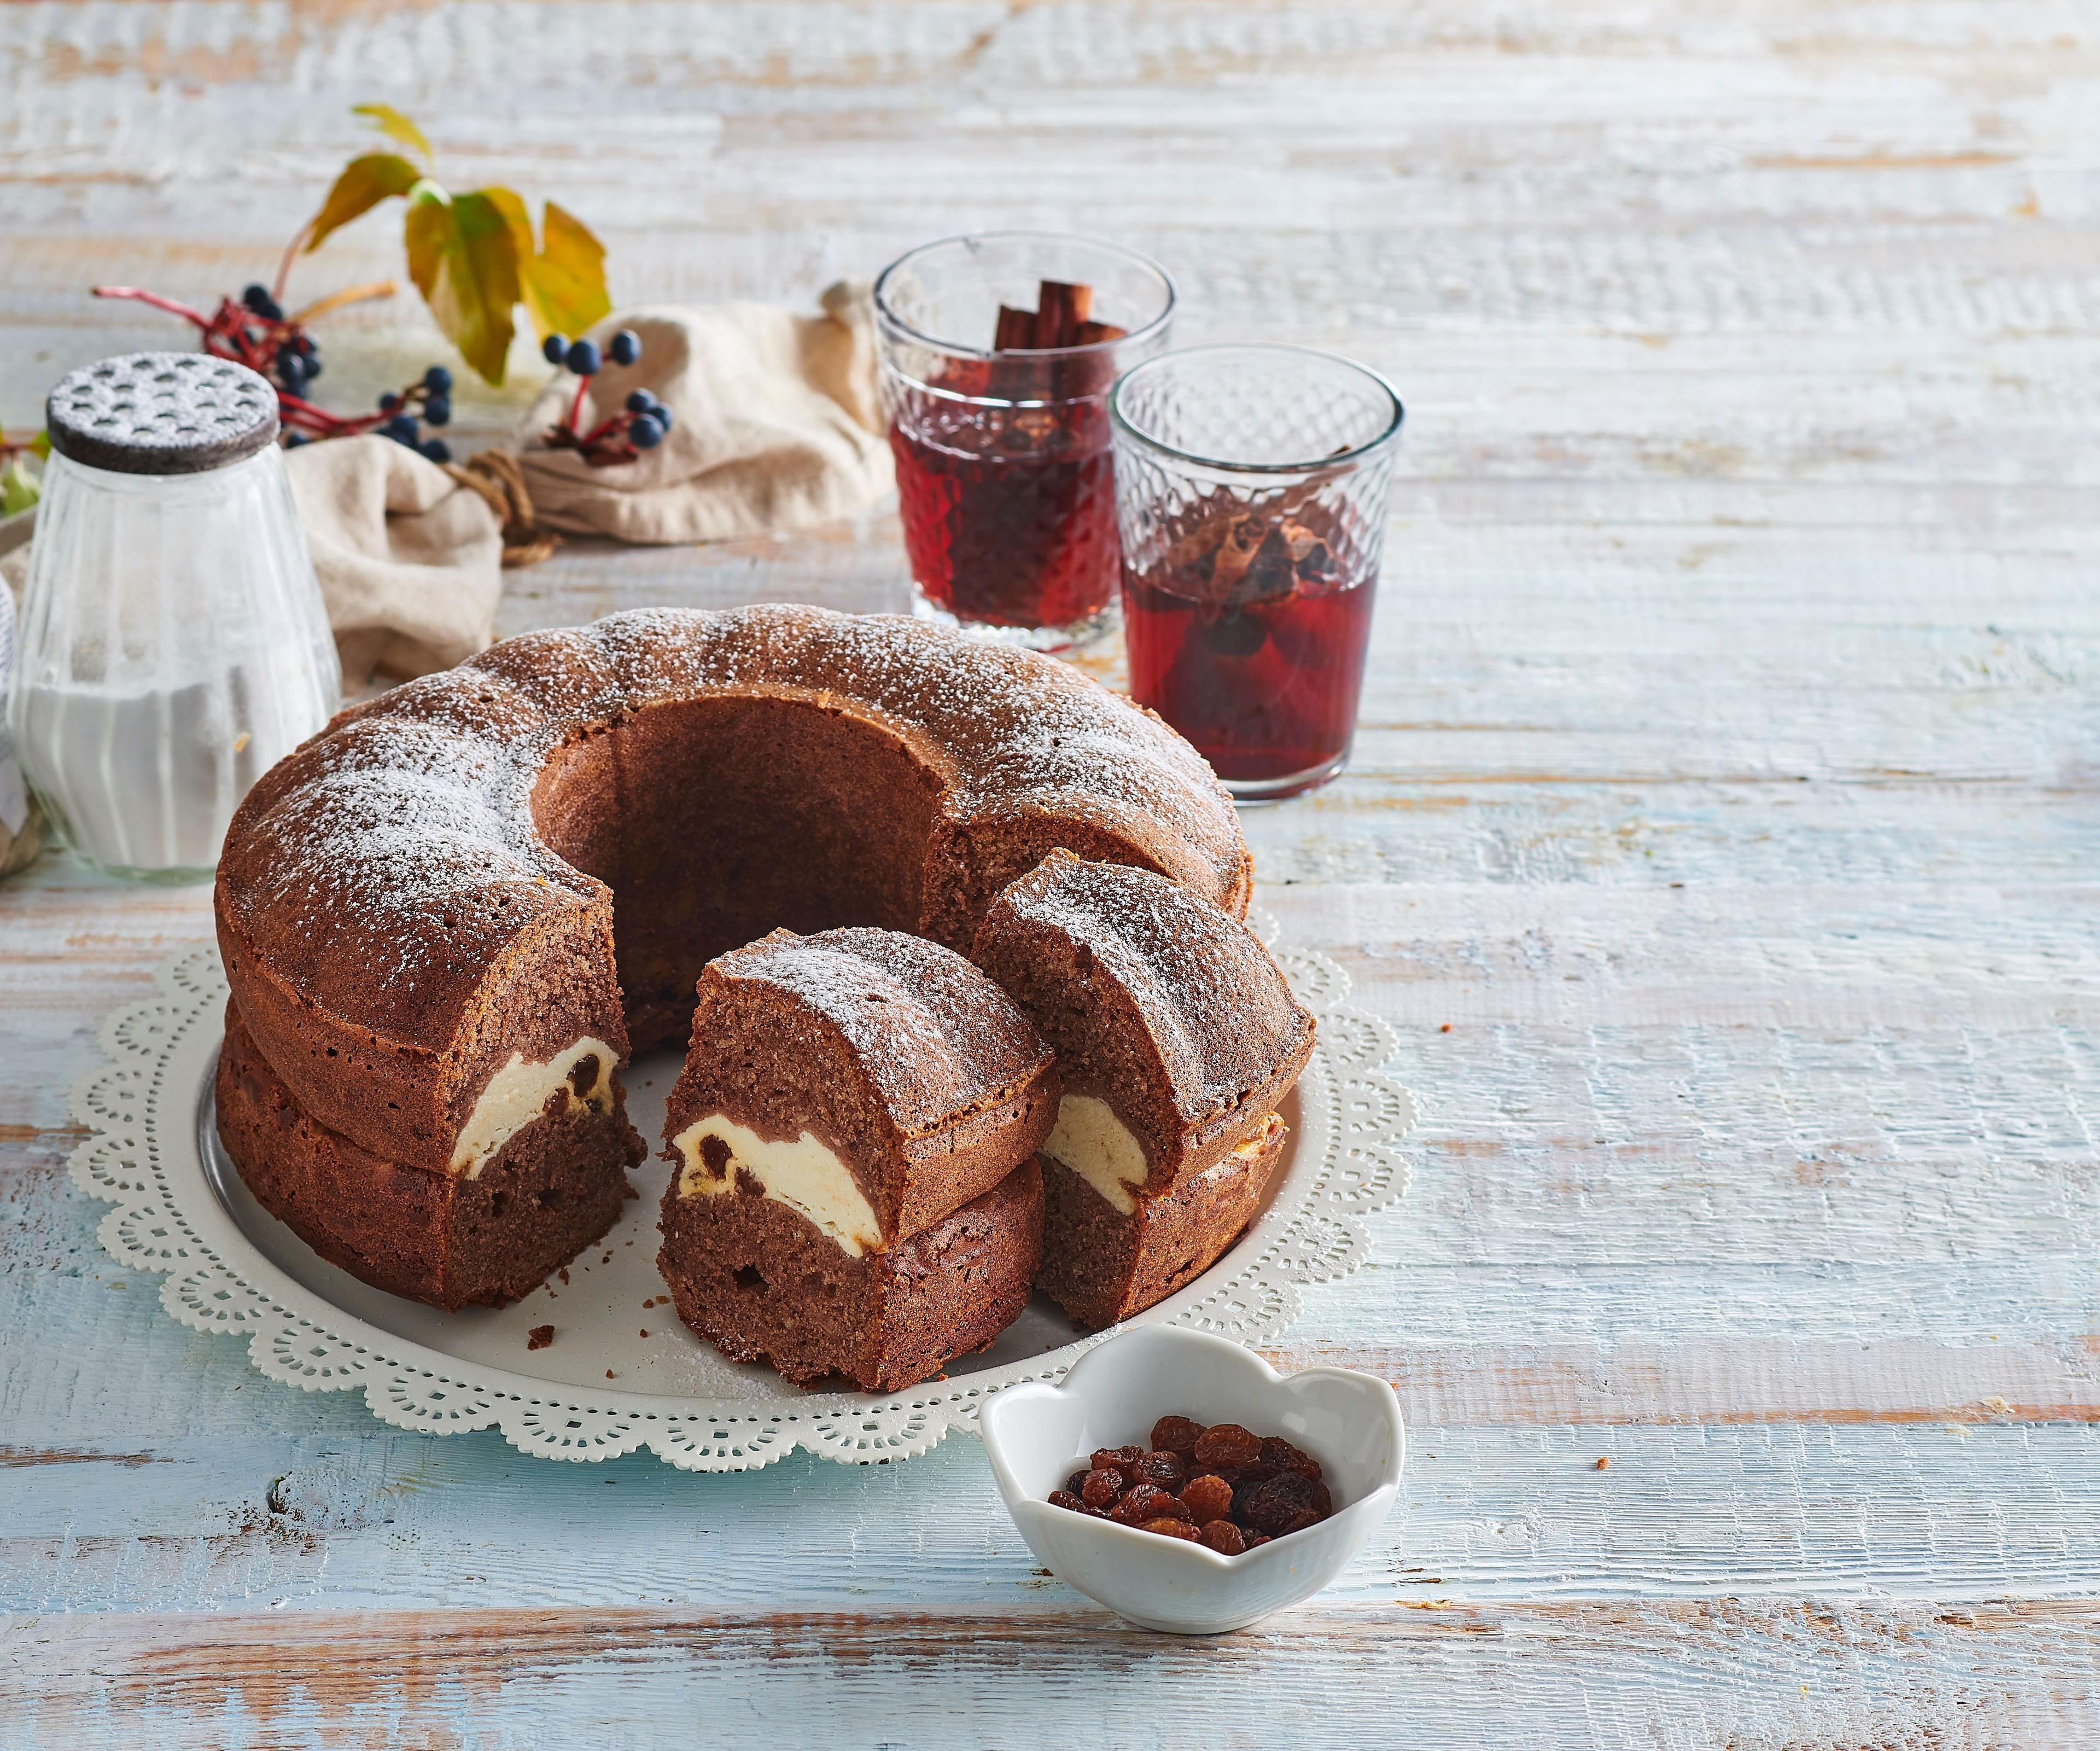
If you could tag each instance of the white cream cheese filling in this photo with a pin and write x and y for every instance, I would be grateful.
(1097, 1146)
(516, 1094)
(804, 1174)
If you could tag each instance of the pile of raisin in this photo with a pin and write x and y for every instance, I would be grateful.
(1224, 1486)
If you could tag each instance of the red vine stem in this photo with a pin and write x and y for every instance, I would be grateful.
(156, 301)
(576, 405)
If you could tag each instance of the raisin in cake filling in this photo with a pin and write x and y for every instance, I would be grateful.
(520, 1092)
(719, 1157)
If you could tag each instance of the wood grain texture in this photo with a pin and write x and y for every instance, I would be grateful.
(1547, 1676)
(1720, 843)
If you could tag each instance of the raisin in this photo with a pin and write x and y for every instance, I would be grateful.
(1117, 1458)
(1163, 1469)
(1257, 1538)
(1064, 1498)
(1228, 1445)
(1077, 1481)
(1279, 1456)
(1097, 1489)
(1208, 1498)
(1285, 1503)
(1171, 1529)
(1143, 1503)
(1224, 1538)
(1176, 1435)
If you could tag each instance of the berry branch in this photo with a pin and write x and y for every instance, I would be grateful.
(256, 332)
(640, 425)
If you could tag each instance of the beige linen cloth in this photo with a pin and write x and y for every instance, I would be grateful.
(409, 557)
(777, 425)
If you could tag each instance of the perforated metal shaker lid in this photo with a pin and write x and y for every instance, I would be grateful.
(161, 413)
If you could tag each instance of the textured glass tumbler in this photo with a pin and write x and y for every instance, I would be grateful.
(1005, 477)
(1251, 487)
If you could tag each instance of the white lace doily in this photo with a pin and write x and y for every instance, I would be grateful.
(231, 1269)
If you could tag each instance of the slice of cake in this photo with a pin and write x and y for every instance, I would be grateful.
(854, 1190)
(1176, 1036)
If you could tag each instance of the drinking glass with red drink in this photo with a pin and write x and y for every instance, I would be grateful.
(1250, 488)
(997, 352)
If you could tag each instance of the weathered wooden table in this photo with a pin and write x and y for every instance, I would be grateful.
(1726, 788)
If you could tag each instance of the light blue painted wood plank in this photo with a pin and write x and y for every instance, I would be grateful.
(385, 1519)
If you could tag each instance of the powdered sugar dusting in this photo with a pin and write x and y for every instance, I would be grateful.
(1211, 995)
(933, 1033)
(401, 845)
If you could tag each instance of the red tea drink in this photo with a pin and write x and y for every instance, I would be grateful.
(1251, 492)
(1009, 514)
(997, 354)
(1250, 638)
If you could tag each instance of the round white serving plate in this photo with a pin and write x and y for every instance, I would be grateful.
(622, 1371)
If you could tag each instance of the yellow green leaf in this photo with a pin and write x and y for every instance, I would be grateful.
(18, 488)
(395, 127)
(564, 282)
(365, 182)
(463, 256)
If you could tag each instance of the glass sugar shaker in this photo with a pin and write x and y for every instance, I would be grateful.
(173, 645)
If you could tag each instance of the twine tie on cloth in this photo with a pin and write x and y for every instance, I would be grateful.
(498, 477)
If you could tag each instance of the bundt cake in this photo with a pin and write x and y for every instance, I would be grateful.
(853, 1188)
(433, 914)
(1176, 1036)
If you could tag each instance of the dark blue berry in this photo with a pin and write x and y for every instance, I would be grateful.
(313, 369)
(305, 343)
(437, 449)
(389, 402)
(293, 439)
(624, 347)
(261, 304)
(640, 401)
(437, 411)
(662, 415)
(291, 369)
(401, 428)
(438, 380)
(645, 434)
(555, 349)
(583, 358)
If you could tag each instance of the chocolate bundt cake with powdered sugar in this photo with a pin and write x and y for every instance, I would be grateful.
(449, 919)
(1176, 1036)
(852, 1139)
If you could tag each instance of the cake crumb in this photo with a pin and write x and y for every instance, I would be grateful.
(539, 1337)
(608, 1373)
(1445, 1029)
(1604, 1465)
(563, 1273)
(644, 1331)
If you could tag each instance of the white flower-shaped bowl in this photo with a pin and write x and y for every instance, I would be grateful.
(1035, 1434)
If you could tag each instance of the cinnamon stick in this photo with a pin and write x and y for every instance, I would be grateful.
(1060, 308)
(1015, 329)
